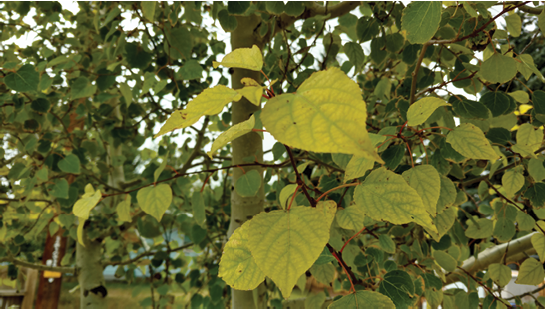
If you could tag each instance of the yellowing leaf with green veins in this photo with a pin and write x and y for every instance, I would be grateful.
(357, 167)
(237, 266)
(530, 272)
(328, 208)
(209, 102)
(427, 183)
(512, 181)
(231, 134)
(480, 229)
(79, 231)
(443, 222)
(498, 68)
(421, 110)
(527, 135)
(538, 242)
(246, 58)
(421, 20)
(88, 201)
(124, 209)
(524, 150)
(297, 237)
(351, 218)
(385, 196)
(155, 200)
(470, 142)
(252, 93)
(363, 299)
(326, 114)
(500, 274)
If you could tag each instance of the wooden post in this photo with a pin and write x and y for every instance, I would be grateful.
(49, 289)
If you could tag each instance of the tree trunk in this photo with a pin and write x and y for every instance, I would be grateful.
(249, 145)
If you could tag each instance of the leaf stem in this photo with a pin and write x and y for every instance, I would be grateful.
(336, 188)
(299, 180)
(352, 237)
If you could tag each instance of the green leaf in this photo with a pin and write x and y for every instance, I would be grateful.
(231, 134)
(209, 102)
(357, 167)
(294, 8)
(470, 142)
(237, 267)
(228, 22)
(427, 183)
(541, 21)
(445, 260)
(385, 196)
(155, 200)
(191, 70)
(504, 229)
(399, 286)
(526, 66)
(160, 169)
(324, 257)
(199, 212)
(421, 110)
(180, 41)
(421, 20)
(81, 88)
(497, 102)
(520, 96)
(324, 273)
(324, 115)
(528, 136)
(60, 189)
(245, 58)
(538, 242)
(26, 79)
(285, 195)
(40, 105)
(525, 222)
(363, 300)
(237, 7)
(88, 201)
(124, 209)
(530, 272)
(536, 195)
(297, 237)
(126, 92)
(512, 181)
(387, 244)
(351, 218)
(498, 68)
(70, 164)
(470, 109)
(447, 194)
(514, 24)
(314, 301)
(248, 184)
(444, 222)
(479, 229)
(500, 274)
(536, 169)
(355, 54)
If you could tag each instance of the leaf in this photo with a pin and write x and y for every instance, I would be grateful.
(297, 237)
(530, 272)
(199, 212)
(245, 58)
(514, 24)
(26, 79)
(427, 183)
(470, 142)
(155, 200)
(160, 169)
(228, 22)
(504, 229)
(498, 68)
(421, 110)
(387, 244)
(324, 257)
(399, 286)
(180, 41)
(351, 218)
(500, 274)
(520, 96)
(525, 222)
(88, 201)
(252, 93)
(497, 102)
(248, 184)
(314, 301)
(447, 194)
(536, 169)
(421, 20)
(357, 167)
(324, 115)
(480, 229)
(512, 181)
(209, 102)
(445, 260)
(40, 105)
(126, 92)
(70, 164)
(323, 273)
(363, 300)
(80, 230)
(81, 88)
(526, 66)
(541, 21)
(124, 209)
(231, 134)
(538, 242)
(285, 195)
(536, 195)
(355, 54)
(191, 70)
(60, 189)
(237, 7)
(470, 109)
(530, 137)
(385, 196)
(237, 267)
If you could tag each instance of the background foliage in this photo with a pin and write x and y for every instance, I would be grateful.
(420, 158)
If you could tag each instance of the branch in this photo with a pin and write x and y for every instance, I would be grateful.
(514, 250)
(36, 266)
(525, 8)
(415, 73)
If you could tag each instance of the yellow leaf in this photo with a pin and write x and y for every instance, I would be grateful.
(385, 196)
(420, 111)
(520, 96)
(231, 134)
(357, 167)
(249, 82)
(427, 183)
(237, 266)
(512, 181)
(245, 58)
(124, 209)
(209, 102)
(252, 94)
(326, 114)
(285, 244)
(538, 242)
(470, 142)
(88, 201)
(527, 135)
(329, 208)
(80, 230)
(351, 218)
(155, 200)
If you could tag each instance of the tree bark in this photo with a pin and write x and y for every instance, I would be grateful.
(249, 145)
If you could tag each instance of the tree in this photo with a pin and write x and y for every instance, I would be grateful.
(408, 153)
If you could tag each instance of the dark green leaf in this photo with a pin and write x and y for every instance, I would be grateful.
(469, 109)
(499, 135)
(393, 156)
(536, 195)
(227, 22)
(237, 7)
(26, 79)
(399, 286)
(248, 184)
(294, 8)
(40, 105)
(70, 164)
(497, 102)
(191, 70)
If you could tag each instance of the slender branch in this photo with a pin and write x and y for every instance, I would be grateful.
(415, 72)
(483, 285)
(36, 266)
(135, 259)
(525, 8)
(299, 180)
